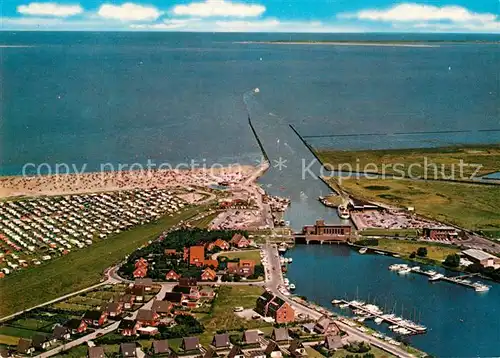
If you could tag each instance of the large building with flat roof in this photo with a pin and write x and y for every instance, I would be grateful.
(483, 258)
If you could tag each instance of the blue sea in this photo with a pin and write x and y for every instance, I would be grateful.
(103, 97)
(93, 98)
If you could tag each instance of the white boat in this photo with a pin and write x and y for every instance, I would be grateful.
(415, 268)
(290, 260)
(292, 286)
(343, 212)
(336, 302)
(436, 277)
(344, 305)
(481, 288)
(363, 250)
(379, 320)
(404, 271)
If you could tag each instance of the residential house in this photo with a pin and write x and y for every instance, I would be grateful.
(128, 327)
(211, 263)
(256, 354)
(190, 293)
(25, 346)
(114, 309)
(236, 352)
(96, 352)
(197, 255)
(221, 341)
(188, 281)
(210, 353)
(333, 342)
(137, 291)
(273, 350)
(141, 263)
(76, 325)
(243, 268)
(309, 327)
(140, 272)
(190, 344)
(280, 335)
(127, 300)
(147, 283)
(170, 252)
(162, 308)
(325, 326)
(174, 297)
(269, 305)
(222, 244)
(208, 275)
(148, 331)
(250, 337)
(240, 241)
(61, 333)
(147, 318)
(42, 341)
(440, 233)
(207, 292)
(160, 348)
(297, 349)
(95, 318)
(128, 350)
(172, 276)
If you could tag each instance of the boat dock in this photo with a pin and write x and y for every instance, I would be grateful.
(397, 324)
(435, 276)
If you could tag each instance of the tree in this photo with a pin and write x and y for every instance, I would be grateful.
(452, 260)
(412, 255)
(422, 251)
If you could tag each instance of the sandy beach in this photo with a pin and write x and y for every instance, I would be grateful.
(63, 184)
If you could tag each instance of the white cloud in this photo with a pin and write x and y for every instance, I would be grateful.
(219, 8)
(264, 25)
(49, 9)
(243, 26)
(129, 12)
(410, 12)
(487, 27)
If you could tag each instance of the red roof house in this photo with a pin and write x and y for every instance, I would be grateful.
(172, 276)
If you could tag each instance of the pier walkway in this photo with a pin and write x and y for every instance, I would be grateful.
(393, 320)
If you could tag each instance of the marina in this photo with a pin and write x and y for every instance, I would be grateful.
(366, 311)
(463, 280)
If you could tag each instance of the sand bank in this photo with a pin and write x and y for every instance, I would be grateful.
(305, 43)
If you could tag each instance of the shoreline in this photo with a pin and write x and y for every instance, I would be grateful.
(91, 182)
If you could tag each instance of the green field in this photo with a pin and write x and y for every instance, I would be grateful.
(229, 297)
(244, 255)
(79, 269)
(471, 206)
(417, 162)
(435, 252)
(204, 222)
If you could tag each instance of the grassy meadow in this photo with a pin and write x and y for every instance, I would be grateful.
(424, 160)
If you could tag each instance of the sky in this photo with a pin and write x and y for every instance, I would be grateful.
(464, 16)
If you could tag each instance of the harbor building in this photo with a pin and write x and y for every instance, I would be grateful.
(322, 232)
(483, 258)
(440, 233)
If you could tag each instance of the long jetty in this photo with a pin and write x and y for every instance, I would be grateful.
(459, 280)
(384, 317)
